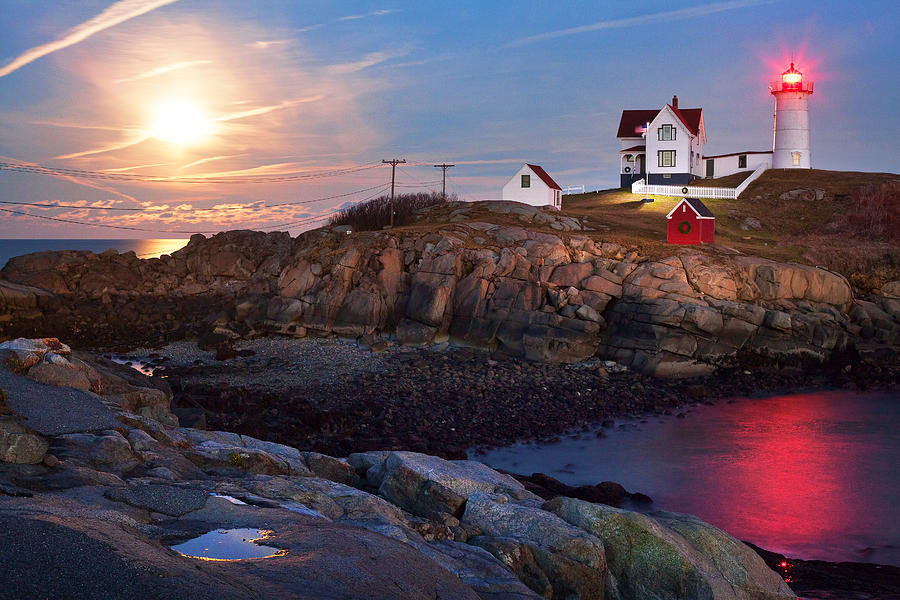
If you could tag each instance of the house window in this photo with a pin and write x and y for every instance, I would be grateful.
(742, 161)
(526, 181)
(796, 156)
(666, 158)
(629, 158)
(666, 133)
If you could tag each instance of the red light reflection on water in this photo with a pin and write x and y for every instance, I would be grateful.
(795, 475)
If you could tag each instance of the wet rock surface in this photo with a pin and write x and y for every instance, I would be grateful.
(102, 520)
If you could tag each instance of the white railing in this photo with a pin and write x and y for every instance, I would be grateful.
(753, 177)
(696, 191)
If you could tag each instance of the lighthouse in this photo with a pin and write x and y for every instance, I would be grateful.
(791, 144)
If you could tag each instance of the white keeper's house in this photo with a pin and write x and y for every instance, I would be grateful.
(533, 185)
(663, 146)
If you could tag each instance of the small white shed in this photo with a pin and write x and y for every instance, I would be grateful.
(532, 185)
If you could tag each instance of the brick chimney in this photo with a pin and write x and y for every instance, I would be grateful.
(674, 101)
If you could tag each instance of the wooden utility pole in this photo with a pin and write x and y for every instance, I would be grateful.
(393, 163)
(444, 167)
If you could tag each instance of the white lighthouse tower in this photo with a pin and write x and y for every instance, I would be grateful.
(791, 144)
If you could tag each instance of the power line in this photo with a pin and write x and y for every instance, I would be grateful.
(147, 178)
(61, 220)
(226, 208)
(310, 219)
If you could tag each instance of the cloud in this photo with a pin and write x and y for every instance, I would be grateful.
(117, 13)
(369, 60)
(263, 44)
(160, 70)
(374, 13)
(110, 148)
(267, 109)
(210, 159)
(671, 15)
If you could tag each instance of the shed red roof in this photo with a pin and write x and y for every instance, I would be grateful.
(540, 172)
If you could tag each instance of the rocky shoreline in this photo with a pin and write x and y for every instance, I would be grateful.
(337, 397)
(97, 478)
(512, 280)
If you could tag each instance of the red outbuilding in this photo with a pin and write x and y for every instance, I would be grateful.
(690, 222)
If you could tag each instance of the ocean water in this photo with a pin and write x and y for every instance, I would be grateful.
(143, 248)
(813, 476)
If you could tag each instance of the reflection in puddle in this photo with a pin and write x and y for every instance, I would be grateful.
(140, 366)
(229, 544)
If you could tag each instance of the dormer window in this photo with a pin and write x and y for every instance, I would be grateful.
(666, 133)
(526, 181)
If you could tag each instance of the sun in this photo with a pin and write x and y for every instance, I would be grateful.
(180, 122)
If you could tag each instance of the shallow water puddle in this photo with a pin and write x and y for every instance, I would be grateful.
(141, 366)
(229, 544)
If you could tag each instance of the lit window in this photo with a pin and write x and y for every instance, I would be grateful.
(666, 158)
(796, 157)
(742, 161)
(666, 133)
(526, 181)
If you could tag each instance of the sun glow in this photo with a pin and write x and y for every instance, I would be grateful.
(181, 122)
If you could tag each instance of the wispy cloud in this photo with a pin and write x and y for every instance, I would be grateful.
(263, 44)
(267, 109)
(117, 13)
(118, 146)
(134, 168)
(374, 13)
(369, 60)
(662, 17)
(210, 159)
(166, 69)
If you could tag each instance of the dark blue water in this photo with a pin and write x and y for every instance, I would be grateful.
(143, 248)
(813, 476)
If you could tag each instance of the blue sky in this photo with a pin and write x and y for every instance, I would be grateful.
(284, 88)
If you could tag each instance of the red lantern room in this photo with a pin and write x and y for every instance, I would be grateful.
(791, 81)
(791, 78)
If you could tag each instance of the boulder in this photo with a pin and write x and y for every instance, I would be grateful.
(18, 444)
(427, 485)
(59, 375)
(672, 556)
(572, 560)
(108, 451)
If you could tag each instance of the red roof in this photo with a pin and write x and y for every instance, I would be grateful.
(540, 172)
(690, 117)
(634, 148)
(633, 120)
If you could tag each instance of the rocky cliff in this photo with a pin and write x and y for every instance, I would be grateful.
(97, 483)
(514, 279)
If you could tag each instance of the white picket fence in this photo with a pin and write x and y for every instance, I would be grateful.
(696, 191)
